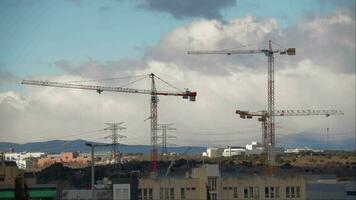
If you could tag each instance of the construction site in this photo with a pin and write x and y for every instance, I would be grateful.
(258, 120)
(231, 174)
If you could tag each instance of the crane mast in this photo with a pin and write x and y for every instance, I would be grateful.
(153, 103)
(269, 124)
(154, 119)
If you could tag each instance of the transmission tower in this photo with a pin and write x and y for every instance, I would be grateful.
(115, 128)
(165, 128)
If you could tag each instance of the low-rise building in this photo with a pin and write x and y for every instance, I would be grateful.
(8, 172)
(24, 160)
(254, 145)
(213, 152)
(302, 150)
(72, 159)
(330, 188)
(233, 151)
(208, 183)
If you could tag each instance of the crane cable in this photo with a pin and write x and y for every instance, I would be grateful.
(168, 84)
(104, 79)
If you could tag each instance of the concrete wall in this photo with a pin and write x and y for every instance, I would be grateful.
(121, 192)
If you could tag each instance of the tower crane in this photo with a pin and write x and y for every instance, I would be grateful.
(154, 101)
(264, 115)
(270, 126)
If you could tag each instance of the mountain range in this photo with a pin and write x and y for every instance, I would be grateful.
(288, 141)
(56, 146)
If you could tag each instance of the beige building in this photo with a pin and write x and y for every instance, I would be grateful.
(208, 181)
(8, 172)
(70, 159)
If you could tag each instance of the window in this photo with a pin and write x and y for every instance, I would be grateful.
(292, 191)
(161, 193)
(182, 193)
(277, 192)
(287, 192)
(166, 192)
(172, 193)
(193, 188)
(256, 193)
(298, 191)
(245, 192)
(2, 178)
(145, 194)
(230, 188)
(139, 194)
(250, 192)
(212, 187)
(224, 188)
(212, 183)
(350, 193)
(213, 196)
(150, 194)
(266, 192)
(125, 193)
(271, 194)
(236, 194)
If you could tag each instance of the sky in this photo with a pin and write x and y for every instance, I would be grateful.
(78, 40)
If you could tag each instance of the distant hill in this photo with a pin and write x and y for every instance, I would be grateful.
(289, 141)
(307, 140)
(56, 146)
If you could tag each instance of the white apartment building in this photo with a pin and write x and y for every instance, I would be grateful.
(233, 151)
(23, 159)
(300, 150)
(213, 152)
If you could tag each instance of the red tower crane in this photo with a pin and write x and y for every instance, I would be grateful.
(154, 101)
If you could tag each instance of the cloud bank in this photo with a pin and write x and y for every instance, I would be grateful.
(320, 76)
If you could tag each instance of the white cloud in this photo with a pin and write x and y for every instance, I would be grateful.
(223, 83)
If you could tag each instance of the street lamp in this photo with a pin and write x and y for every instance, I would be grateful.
(92, 146)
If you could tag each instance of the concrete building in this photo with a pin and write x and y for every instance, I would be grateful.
(71, 159)
(233, 151)
(213, 152)
(254, 145)
(121, 191)
(250, 149)
(24, 160)
(208, 181)
(8, 172)
(330, 188)
(302, 150)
